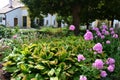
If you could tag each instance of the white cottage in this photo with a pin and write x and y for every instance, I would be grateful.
(15, 13)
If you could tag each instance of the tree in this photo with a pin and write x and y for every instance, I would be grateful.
(109, 10)
(63, 7)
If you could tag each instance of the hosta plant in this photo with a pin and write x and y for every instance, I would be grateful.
(69, 58)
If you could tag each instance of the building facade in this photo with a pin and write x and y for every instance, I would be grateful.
(16, 14)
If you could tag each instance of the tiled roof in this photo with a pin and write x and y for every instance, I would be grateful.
(15, 4)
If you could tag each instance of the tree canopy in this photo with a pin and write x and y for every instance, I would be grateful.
(80, 10)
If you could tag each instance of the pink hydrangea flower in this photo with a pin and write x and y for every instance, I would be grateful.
(103, 74)
(111, 68)
(104, 27)
(107, 33)
(15, 36)
(107, 42)
(103, 31)
(102, 36)
(88, 35)
(98, 33)
(95, 29)
(112, 32)
(110, 61)
(98, 48)
(98, 64)
(82, 77)
(115, 36)
(72, 27)
(111, 29)
(80, 57)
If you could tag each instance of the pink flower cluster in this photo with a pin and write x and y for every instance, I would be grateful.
(98, 64)
(105, 31)
(88, 35)
(15, 36)
(80, 57)
(72, 27)
(111, 64)
(107, 42)
(98, 48)
(82, 77)
(103, 74)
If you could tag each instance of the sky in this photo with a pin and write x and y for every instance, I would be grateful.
(3, 3)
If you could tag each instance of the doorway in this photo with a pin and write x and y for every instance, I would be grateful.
(15, 21)
(24, 21)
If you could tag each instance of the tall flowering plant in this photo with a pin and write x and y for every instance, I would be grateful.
(108, 37)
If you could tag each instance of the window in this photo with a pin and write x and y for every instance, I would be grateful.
(0, 19)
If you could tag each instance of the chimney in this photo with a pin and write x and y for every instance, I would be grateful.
(10, 3)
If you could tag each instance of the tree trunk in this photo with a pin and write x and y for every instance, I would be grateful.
(87, 24)
(76, 18)
(112, 22)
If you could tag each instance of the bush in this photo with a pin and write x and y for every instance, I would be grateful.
(5, 32)
(53, 59)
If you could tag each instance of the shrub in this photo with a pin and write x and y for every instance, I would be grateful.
(53, 59)
(5, 32)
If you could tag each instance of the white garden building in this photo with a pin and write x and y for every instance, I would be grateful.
(15, 13)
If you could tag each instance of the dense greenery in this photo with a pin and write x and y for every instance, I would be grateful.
(5, 32)
(47, 55)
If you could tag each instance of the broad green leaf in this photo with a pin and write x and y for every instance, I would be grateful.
(54, 78)
(39, 67)
(51, 72)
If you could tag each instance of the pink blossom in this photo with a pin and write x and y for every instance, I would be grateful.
(107, 42)
(111, 29)
(103, 31)
(103, 74)
(102, 36)
(115, 36)
(72, 27)
(98, 64)
(98, 47)
(80, 57)
(82, 77)
(104, 27)
(112, 32)
(15, 36)
(88, 35)
(98, 33)
(96, 29)
(110, 61)
(111, 68)
(107, 33)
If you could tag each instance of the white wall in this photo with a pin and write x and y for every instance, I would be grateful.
(50, 18)
(24, 13)
(13, 14)
(3, 21)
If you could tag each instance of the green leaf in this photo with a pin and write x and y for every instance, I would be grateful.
(39, 67)
(53, 78)
(23, 67)
(57, 71)
(51, 72)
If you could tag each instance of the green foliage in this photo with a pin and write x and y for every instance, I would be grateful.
(52, 59)
(5, 32)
